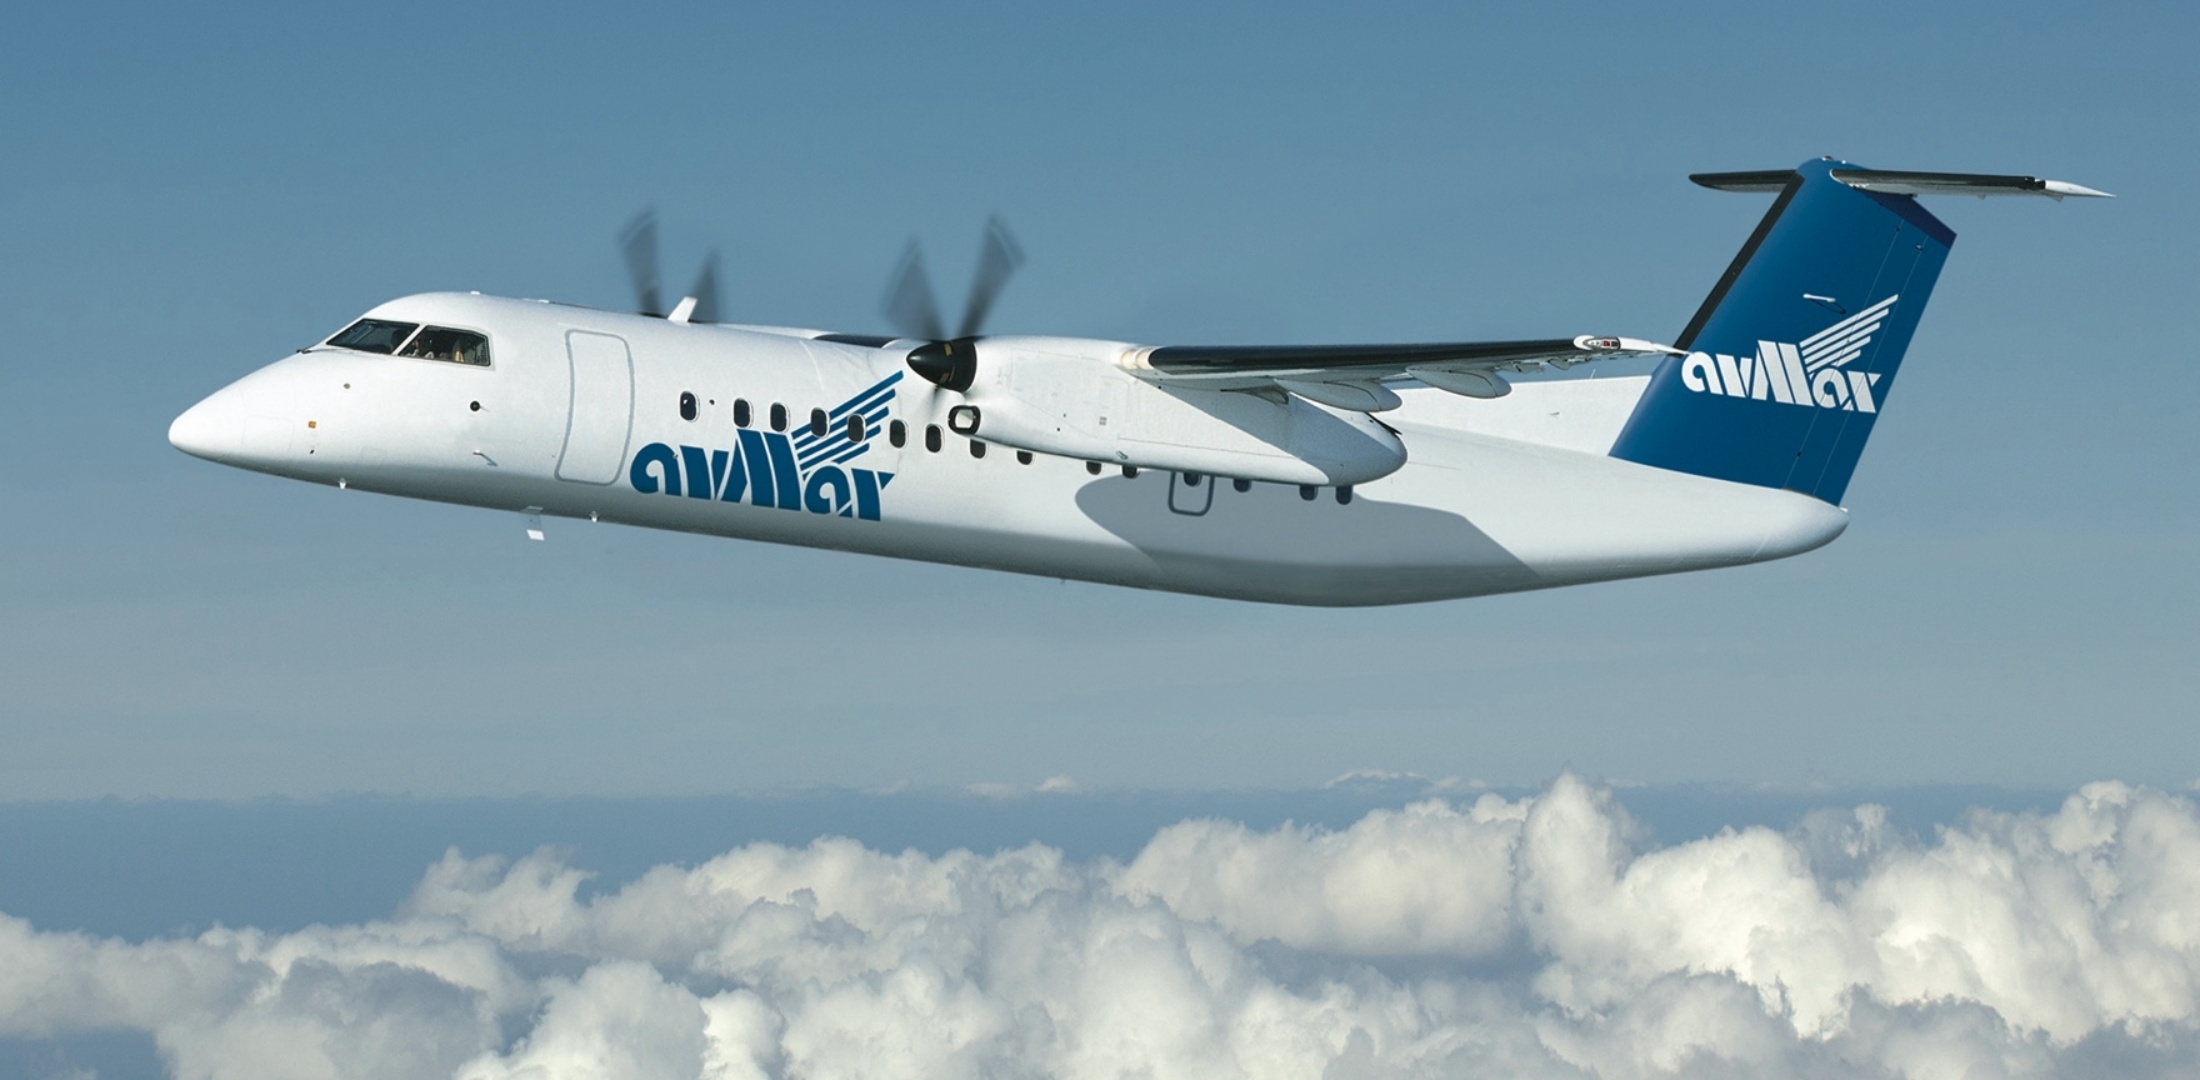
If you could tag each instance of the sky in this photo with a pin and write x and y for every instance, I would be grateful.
(302, 781)
(192, 194)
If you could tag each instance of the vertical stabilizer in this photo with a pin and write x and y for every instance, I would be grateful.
(1790, 360)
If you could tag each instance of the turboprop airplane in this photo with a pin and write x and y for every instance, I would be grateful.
(1300, 474)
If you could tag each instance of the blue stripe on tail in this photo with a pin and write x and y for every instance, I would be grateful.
(1791, 357)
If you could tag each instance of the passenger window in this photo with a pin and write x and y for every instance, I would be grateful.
(779, 417)
(898, 434)
(687, 405)
(1344, 495)
(1092, 467)
(1023, 457)
(740, 412)
(977, 449)
(855, 427)
(1242, 485)
(456, 346)
(374, 335)
(1308, 491)
(932, 437)
(1130, 472)
(819, 425)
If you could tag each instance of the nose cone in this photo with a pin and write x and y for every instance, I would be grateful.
(212, 429)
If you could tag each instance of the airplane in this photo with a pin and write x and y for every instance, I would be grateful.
(1301, 474)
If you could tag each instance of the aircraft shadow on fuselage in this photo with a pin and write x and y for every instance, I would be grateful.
(1366, 549)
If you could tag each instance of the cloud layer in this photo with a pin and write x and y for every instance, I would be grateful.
(1495, 938)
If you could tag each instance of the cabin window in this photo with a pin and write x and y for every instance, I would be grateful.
(455, 346)
(687, 405)
(1192, 479)
(898, 434)
(1023, 457)
(374, 335)
(740, 412)
(1242, 485)
(1344, 495)
(1308, 491)
(779, 417)
(1130, 472)
(819, 424)
(932, 437)
(1092, 467)
(977, 449)
(855, 427)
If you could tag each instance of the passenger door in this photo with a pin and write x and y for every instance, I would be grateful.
(601, 411)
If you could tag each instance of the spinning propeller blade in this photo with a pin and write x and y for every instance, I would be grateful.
(639, 241)
(910, 308)
(705, 291)
(998, 258)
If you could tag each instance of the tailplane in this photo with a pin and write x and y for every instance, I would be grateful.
(1789, 361)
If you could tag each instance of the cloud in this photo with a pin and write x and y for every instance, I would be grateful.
(1426, 880)
(1539, 937)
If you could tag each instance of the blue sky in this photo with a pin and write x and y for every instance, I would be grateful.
(189, 194)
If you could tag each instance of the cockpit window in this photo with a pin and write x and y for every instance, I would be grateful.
(458, 346)
(374, 335)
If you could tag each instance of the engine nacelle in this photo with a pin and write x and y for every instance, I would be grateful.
(1071, 398)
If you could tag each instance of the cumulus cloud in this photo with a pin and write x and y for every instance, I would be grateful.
(1539, 937)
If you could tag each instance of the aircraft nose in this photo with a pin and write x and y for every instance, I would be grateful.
(212, 429)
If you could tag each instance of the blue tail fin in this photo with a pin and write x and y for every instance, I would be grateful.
(1791, 357)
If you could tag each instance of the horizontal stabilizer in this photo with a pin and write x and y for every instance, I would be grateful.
(1894, 182)
(1890, 182)
(1764, 182)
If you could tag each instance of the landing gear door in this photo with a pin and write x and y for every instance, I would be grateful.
(601, 414)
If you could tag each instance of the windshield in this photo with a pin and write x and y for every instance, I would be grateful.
(458, 346)
(430, 343)
(373, 335)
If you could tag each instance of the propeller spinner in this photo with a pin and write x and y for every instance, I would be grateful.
(912, 310)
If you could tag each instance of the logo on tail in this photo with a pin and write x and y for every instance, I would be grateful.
(1811, 373)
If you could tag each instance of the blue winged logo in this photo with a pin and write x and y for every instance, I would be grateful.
(806, 471)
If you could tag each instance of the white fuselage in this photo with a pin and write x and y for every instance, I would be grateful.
(1495, 496)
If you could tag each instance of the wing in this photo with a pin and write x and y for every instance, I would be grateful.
(1353, 376)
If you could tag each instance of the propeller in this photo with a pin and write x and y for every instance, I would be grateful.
(638, 240)
(912, 310)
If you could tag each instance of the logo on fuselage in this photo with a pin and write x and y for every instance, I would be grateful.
(802, 471)
(1813, 372)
